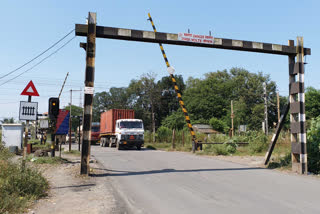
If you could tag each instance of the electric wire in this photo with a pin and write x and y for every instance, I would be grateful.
(43, 52)
(40, 61)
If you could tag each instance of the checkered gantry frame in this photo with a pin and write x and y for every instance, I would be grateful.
(296, 73)
(297, 110)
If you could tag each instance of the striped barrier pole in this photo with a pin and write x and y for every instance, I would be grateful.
(176, 88)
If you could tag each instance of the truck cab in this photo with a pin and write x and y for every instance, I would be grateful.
(129, 133)
(95, 132)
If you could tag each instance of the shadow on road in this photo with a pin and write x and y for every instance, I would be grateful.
(116, 173)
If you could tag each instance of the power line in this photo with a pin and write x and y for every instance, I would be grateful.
(37, 55)
(40, 61)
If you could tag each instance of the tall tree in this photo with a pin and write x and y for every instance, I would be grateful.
(169, 101)
(8, 120)
(116, 98)
(312, 103)
(145, 94)
(211, 96)
(75, 111)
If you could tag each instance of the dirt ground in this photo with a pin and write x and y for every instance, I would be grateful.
(72, 193)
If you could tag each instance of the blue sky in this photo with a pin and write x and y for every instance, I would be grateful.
(29, 27)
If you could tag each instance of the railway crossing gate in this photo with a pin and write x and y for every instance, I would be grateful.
(295, 55)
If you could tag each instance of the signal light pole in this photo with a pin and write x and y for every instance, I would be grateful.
(54, 104)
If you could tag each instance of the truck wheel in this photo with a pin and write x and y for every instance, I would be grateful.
(139, 147)
(102, 142)
(107, 144)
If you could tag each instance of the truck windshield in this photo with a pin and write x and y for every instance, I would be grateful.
(95, 128)
(130, 125)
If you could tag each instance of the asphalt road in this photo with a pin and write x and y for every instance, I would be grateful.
(173, 182)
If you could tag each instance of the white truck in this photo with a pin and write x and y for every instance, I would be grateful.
(119, 128)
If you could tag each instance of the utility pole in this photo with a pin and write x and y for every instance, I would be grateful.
(153, 128)
(25, 143)
(70, 121)
(88, 93)
(265, 108)
(80, 104)
(173, 138)
(278, 106)
(232, 116)
(79, 136)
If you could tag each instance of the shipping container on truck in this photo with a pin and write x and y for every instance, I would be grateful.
(118, 127)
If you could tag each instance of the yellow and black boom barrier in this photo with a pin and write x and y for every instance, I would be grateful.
(176, 88)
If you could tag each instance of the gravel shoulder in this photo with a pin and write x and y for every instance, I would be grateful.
(71, 193)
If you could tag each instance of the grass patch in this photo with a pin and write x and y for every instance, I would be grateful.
(47, 160)
(151, 147)
(158, 146)
(34, 141)
(18, 188)
(73, 152)
(282, 162)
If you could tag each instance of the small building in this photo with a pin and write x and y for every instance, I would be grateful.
(205, 129)
(12, 135)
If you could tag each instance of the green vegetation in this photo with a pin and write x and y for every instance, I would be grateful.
(76, 111)
(219, 125)
(281, 162)
(18, 188)
(46, 160)
(313, 146)
(8, 120)
(208, 101)
(73, 152)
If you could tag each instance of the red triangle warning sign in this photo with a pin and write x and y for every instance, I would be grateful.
(30, 90)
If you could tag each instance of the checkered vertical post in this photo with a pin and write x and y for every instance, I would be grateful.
(88, 98)
(297, 110)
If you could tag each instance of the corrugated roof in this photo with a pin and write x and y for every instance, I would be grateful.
(204, 128)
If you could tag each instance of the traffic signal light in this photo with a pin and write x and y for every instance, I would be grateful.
(53, 108)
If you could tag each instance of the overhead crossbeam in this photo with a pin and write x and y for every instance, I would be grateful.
(171, 38)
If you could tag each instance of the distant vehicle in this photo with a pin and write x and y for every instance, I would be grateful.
(73, 137)
(95, 132)
(119, 128)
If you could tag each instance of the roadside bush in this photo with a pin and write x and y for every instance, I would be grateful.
(231, 148)
(220, 149)
(4, 152)
(313, 146)
(218, 125)
(163, 134)
(257, 141)
(218, 138)
(17, 187)
(282, 162)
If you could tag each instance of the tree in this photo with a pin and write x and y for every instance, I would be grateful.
(218, 125)
(168, 101)
(211, 96)
(8, 120)
(116, 98)
(144, 95)
(75, 111)
(312, 103)
(174, 121)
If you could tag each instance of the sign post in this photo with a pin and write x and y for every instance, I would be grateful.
(28, 111)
